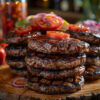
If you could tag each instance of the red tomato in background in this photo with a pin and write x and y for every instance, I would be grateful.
(2, 55)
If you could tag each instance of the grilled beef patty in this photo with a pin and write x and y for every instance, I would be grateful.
(54, 62)
(56, 74)
(93, 61)
(90, 37)
(18, 71)
(14, 38)
(16, 51)
(94, 50)
(68, 85)
(92, 72)
(47, 45)
(16, 63)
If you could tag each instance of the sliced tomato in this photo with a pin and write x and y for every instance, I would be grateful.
(45, 21)
(34, 20)
(4, 45)
(50, 21)
(77, 27)
(57, 22)
(23, 30)
(34, 23)
(35, 26)
(57, 34)
(2, 55)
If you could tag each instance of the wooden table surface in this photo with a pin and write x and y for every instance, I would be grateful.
(90, 91)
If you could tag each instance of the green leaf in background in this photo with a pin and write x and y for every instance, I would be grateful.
(23, 23)
(91, 9)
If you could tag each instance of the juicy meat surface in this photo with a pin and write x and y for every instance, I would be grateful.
(94, 50)
(16, 51)
(93, 61)
(90, 37)
(47, 45)
(69, 85)
(92, 72)
(14, 38)
(17, 62)
(54, 62)
(18, 71)
(79, 70)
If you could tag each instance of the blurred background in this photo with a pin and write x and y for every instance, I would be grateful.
(71, 10)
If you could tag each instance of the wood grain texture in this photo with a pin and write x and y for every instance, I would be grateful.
(90, 91)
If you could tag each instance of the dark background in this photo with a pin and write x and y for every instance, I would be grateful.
(72, 10)
(65, 8)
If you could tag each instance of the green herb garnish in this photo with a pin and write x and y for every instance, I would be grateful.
(23, 23)
(48, 25)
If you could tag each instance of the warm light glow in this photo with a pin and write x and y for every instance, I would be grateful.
(7, 3)
(51, 12)
(45, 0)
(17, 2)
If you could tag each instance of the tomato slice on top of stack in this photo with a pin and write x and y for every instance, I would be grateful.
(57, 34)
(78, 27)
(45, 21)
(50, 21)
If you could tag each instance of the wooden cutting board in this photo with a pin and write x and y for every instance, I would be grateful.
(90, 91)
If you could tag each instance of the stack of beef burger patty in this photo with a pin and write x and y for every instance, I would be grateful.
(54, 65)
(93, 56)
(16, 51)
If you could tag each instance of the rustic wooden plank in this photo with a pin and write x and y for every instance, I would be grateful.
(90, 91)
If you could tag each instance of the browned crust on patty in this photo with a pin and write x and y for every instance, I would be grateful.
(92, 72)
(14, 38)
(56, 74)
(90, 37)
(55, 63)
(19, 72)
(16, 51)
(93, 61)
(16, 63)
(56, 87)
(94, 50)
(61, 46)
